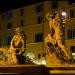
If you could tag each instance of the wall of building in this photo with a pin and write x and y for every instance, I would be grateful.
(31, 25)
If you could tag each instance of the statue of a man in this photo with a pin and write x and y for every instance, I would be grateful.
(56, 32)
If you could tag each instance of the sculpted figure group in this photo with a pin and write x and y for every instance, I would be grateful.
(16, 49)
(54, 43)
(54, 38)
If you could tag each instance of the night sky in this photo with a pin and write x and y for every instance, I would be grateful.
(6, 5)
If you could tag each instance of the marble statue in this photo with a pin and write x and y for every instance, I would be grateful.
(54, 39)
(17, 48)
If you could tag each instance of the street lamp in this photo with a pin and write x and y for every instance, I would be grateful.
(64, 18)
(64, 13)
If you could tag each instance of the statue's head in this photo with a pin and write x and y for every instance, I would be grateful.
(55, 15)
(18, 30)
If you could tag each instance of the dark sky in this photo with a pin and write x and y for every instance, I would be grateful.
(6, 5)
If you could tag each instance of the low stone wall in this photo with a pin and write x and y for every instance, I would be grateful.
(39, 70)
(21, 69)
(66, 69)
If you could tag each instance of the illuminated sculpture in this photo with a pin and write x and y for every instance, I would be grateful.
(54, 40)
(17, 45)
(17, 48)
(4, 55)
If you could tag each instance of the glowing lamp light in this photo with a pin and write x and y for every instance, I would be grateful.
(64, 14)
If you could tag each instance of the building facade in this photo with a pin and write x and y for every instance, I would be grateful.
(32, 19)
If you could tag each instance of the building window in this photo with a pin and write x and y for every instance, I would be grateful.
(73, 49)
(39, 37)
(0, 26)
(54, 4)
(43, 54)
(72, 13)
(71, 34)
(39, 56)
(9, 40)
(39, 8)
(9, 25)
(9, 14)
(39, 20)
(22, 12)
(3, 17)
(0, 42)
(22, 23)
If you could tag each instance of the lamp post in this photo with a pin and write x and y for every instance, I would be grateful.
(64, 17)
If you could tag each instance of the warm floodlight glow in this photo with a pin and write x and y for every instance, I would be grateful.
(64, 14)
